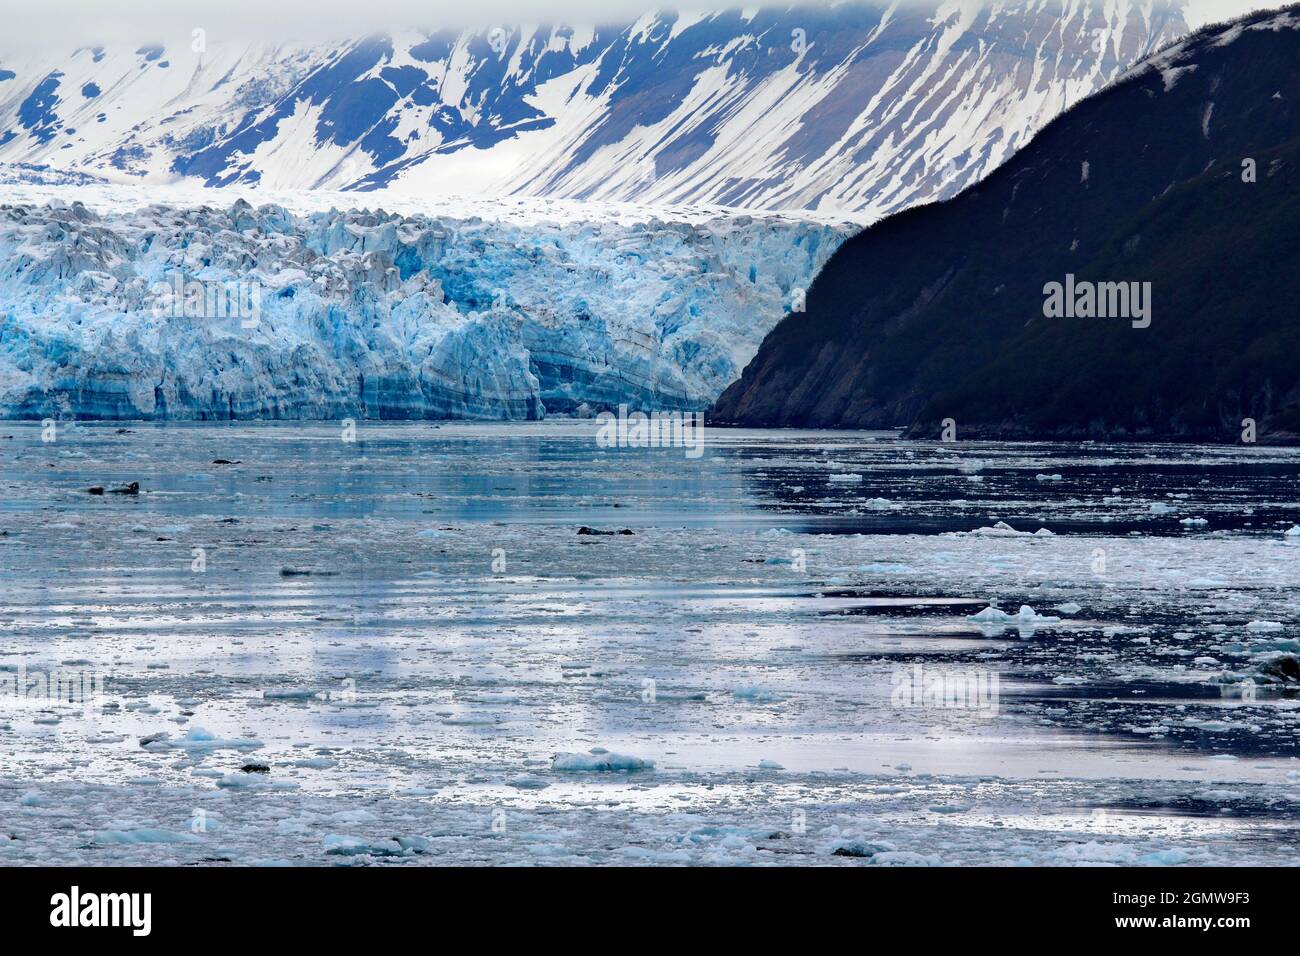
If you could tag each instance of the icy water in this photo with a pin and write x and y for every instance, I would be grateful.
(372, 652)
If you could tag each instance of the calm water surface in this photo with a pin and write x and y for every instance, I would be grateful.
(409, 627)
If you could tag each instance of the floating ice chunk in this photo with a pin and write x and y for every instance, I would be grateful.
(1042, 477)
(1211, 725)
(143, 835)
(492, 698)
(599, 763)
(528, 782)
(1069, 608)
(769, 765)
(1169, 857)
(1193, 521)
(844, 479)
(341, 845)
(353, 816)
(1026, 615)
(860, 849)
(757, 694)
(199, 739)
(471, 720)
(1264, 626)
(253, 781)
(289, 693)
(1293, 532)
(1002, 530)
(880, 504)
(905, 858)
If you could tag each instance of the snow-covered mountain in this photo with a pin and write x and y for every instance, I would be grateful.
(861, 108)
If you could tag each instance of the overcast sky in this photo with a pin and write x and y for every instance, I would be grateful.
(72, 22)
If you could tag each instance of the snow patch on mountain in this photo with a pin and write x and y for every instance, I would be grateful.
(861, 108)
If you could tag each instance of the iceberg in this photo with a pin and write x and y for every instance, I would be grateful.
(601, 762)
(1026, 616)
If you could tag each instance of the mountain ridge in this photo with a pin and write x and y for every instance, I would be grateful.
(1110, 191)
(862, 108)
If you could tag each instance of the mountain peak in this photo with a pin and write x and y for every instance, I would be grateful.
(858, 109)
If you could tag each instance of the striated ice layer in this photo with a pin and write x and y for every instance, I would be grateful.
(384, 315)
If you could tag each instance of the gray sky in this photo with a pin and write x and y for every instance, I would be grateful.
(1200, 12)
(73, 22)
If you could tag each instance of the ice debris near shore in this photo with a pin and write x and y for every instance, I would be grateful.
(363, 314)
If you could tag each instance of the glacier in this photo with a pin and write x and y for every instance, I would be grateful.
(387, 315)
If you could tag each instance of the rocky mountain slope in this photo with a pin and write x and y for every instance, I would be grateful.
(1181, 181)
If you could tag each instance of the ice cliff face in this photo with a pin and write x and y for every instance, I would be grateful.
(382, 315)
(862, 108)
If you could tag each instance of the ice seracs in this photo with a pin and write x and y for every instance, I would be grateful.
(386, 315)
